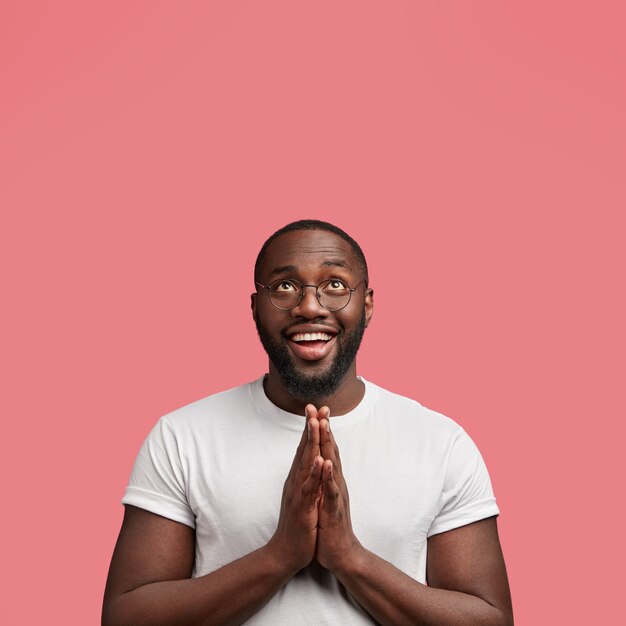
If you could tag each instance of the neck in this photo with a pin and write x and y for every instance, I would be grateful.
(344, 400)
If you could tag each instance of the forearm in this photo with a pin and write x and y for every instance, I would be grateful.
(227, 596)
(394, 598)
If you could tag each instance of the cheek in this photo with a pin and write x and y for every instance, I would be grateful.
(353, 319)
(269, 318)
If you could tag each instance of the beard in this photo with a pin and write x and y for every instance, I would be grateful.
(313, 387)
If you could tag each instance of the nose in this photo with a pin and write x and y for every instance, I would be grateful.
(309, 306)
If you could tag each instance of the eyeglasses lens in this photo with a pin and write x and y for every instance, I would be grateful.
(331, 294)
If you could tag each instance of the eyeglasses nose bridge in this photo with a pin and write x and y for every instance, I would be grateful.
(317, 294)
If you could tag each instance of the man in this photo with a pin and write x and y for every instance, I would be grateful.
(208, 538)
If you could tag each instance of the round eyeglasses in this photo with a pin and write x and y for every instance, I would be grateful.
(286, 293)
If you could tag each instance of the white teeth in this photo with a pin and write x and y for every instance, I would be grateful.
(311, 337)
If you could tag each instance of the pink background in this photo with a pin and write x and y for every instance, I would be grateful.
(475, 149)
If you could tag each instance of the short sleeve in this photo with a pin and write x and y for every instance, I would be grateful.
(157, 481)
(467, 495)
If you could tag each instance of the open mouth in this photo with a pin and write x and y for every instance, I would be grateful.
(309, 337)
(311, 346)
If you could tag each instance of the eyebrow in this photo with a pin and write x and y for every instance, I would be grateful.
(282, 269)
(336, 263)
(292, 268)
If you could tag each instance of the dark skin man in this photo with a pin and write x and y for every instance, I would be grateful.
(150, 576)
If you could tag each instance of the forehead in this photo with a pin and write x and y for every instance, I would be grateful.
(308, 249)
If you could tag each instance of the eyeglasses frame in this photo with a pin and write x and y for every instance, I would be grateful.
(317, 294)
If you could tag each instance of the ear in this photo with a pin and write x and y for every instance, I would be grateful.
(253, 305)
(369, 306)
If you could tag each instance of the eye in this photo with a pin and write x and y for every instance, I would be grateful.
(283, 286)
(335, 285)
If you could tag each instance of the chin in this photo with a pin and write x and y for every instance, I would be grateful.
(311, 387)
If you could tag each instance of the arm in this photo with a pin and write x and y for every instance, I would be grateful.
(149, 578)
(465, 568)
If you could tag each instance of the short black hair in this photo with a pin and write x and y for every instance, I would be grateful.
(313, 225)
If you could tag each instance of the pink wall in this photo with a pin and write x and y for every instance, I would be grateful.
(477, 152)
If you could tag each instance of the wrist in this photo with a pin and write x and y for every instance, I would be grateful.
(351, 561)
(283, 557)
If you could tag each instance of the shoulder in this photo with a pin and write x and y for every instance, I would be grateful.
(211, 409)
(400, 408)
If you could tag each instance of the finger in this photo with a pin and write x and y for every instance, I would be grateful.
(328, 445)
(299, 451)
(312, 446)
(309, 411)
(324, 417)
(330, 489)
(337, 468)
(311, 488)
(323, 413)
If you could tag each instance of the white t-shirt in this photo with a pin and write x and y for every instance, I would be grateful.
(219, 465)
